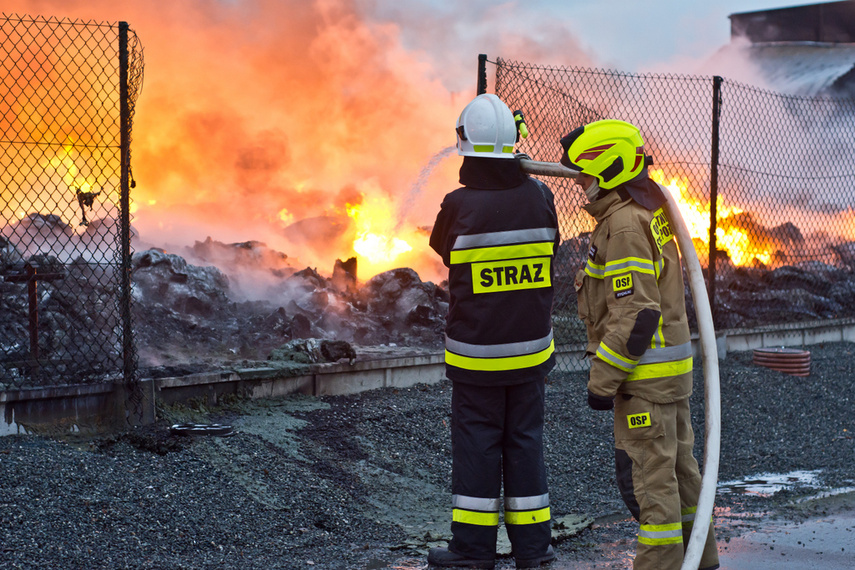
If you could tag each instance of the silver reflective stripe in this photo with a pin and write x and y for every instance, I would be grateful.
(595, 270)
(498, 350)
(527, 503)
(504, 238)
(639, 264)
(475, 503)
(667, 353)
(618, 362)
(657, 534)
(689, 518)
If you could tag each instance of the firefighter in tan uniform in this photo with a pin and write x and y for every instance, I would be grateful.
(631, 298)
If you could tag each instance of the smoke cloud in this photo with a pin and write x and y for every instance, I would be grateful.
(266, 120)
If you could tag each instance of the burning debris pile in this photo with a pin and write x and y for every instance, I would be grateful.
(190, 317)
(187, 314)
(804, 291)
(220, 304)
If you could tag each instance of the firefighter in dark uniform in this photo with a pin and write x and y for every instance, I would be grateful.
(497, 235)
(631, 298)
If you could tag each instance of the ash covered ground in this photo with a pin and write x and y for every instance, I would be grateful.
(363, 481)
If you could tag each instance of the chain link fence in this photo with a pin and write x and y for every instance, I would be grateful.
(766, 184)
(67, 97)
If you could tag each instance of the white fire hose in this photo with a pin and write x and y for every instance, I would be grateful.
(712, 431)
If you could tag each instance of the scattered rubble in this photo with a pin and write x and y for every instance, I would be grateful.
(215, 304)
(188, 312)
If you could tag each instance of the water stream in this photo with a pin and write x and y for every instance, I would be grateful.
(418, 186)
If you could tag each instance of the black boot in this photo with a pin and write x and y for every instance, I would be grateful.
(535, 562)
(445, 558)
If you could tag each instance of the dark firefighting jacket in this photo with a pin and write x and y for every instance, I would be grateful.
(498, 235)
(632, 300)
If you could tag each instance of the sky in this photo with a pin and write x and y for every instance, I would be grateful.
(639, 36)
(626, 35)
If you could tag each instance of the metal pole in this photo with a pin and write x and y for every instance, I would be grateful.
(128, 364)
(482, 74)
(33, 300)
(716, 120)
(709, 352)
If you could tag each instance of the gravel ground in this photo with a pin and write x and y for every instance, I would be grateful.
(363, 481)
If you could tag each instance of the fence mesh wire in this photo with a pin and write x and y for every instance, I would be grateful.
(66, 101)
(779, 171)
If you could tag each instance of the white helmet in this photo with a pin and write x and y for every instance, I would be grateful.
(486, 128)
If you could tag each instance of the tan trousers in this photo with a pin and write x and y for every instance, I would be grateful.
(659, 480)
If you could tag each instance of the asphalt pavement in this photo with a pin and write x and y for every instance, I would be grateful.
(813, 534)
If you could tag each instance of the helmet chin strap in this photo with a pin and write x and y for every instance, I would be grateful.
(593, 190)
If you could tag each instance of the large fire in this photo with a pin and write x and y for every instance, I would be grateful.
(300, 124)
(730, 238)
(297, 124)
(745, 240)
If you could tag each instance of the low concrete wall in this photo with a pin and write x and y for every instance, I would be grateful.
(110, 407)
(63, 409)
(807, 334)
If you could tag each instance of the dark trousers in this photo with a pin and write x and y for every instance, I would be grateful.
(497, 432)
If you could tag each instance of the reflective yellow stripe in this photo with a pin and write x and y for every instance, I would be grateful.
(527, 517)
(491, 148)
(610, 356)
(660, 541)
(659, 534)
(658, 337)
(688, 515)
(594, 270)
(660, 370)
(495, 364)
(475, 517)
(619, 266)
(500, 252)
(629, 264)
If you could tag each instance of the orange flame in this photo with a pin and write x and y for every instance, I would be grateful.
(741, 246)
(375, 244)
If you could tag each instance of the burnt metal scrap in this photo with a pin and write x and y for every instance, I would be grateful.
(55, 321)
(805, 291)
(85, 200)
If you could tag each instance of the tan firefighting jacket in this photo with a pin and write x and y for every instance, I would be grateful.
(631, 298)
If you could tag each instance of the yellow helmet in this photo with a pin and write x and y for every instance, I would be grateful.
(610, 150)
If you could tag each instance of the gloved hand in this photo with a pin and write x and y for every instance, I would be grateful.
(522, 128)
(600, 402)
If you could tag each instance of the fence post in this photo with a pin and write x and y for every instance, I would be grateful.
(128, 352)
(716, 119)
(482, 74)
